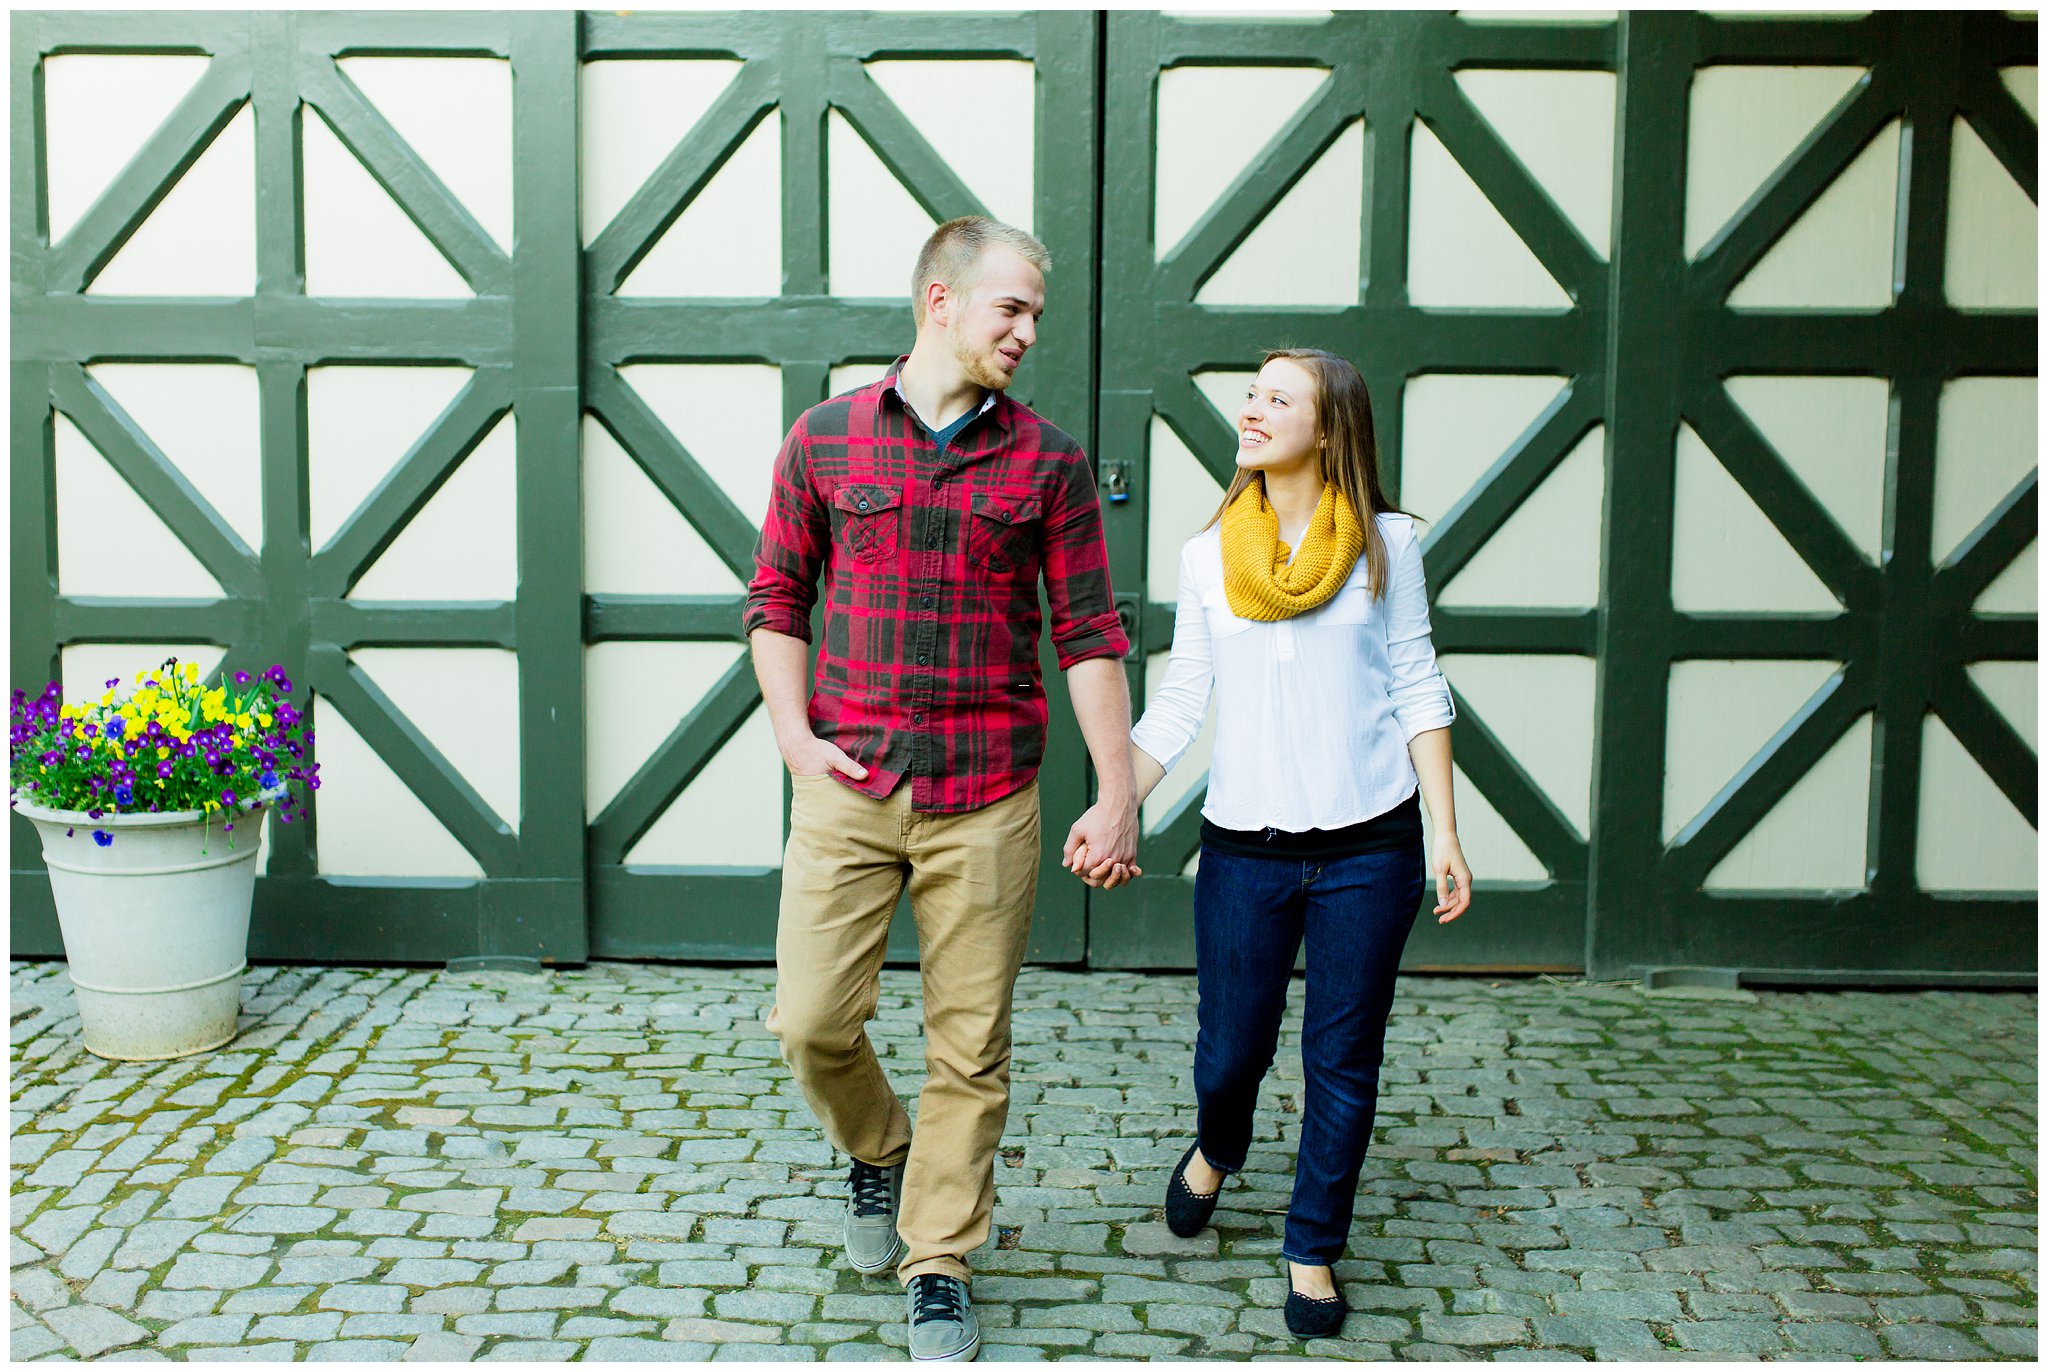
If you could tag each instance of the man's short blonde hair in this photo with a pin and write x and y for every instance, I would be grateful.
(954, 250)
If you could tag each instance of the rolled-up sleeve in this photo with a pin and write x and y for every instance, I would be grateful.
(1422, 699)
(1084, 618)
(791, 549)
(1174, 716)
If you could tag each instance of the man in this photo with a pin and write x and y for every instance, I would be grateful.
(931, 503)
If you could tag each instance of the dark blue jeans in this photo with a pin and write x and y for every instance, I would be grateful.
(1251, 915)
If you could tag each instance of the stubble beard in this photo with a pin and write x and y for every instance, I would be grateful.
(980, 369)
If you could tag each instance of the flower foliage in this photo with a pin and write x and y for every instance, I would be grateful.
(171, 744)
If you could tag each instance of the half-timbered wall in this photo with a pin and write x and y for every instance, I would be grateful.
(441, 357)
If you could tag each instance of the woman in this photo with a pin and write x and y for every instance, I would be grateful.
(1314, 626)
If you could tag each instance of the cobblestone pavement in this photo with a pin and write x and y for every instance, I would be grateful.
(612, 1164)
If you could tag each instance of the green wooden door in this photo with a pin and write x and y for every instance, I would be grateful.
(1361, 84)
(812, 81)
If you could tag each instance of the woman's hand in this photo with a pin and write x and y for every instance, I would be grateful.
(1453, 878)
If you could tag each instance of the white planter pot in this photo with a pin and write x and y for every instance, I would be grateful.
(155, 925)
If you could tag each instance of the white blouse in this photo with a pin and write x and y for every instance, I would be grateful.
(1313, 713)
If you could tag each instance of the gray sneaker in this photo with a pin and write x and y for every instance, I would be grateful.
(942, 1323)
(872, 1194)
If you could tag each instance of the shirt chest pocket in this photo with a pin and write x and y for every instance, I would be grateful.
(865, 521)
(1003, 533)
(1223, 621)
(1350, 606)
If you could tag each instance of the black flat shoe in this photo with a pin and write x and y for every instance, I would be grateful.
(1311, 1318)
(1187, 1212)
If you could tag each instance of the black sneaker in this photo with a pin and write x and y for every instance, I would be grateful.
(942, 1323)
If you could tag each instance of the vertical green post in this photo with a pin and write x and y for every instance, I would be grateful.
(546, 918)
(1625, 923)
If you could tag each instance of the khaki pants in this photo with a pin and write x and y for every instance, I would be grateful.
(973, 877)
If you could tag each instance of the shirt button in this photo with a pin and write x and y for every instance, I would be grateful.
(930, 601)
(924, 659)
(917, 718)
(862, 506)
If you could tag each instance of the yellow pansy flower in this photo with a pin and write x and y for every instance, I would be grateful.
(191, 671)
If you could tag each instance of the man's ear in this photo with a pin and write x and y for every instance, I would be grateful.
(938, 300)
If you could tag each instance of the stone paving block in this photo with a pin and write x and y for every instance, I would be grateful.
(444, 1347)
(92, 1330)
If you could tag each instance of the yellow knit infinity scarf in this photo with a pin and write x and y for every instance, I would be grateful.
(1259, 581)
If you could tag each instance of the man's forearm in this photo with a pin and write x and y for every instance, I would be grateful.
(781, 665)
(1102, 707)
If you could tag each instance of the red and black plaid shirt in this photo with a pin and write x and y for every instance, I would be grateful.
(929, 665)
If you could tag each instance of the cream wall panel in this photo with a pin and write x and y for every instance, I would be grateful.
(1541, 708)
(1493, 851)
(1212, 122)
(2014, 687)
(1193, 768)
(1461, 253)
(88, 667)
(456, 113)
(1455, 427)
(1225, 391)
(466, 702)
(873, 224)
(637, 693)
(98, 111)
(1815, 839)
(463, 544)
(1548, 552)
(1971, 838)
(205, 420)
(2014, 591)
(1832, 432)
(854, 375)
(1994, 258)
(730, 815)
(994, 155)
(634, 113)
(2025, 85)
(1745, 121)
(359, 242)
(729, 416)
(110, 543)
(635, 541)
(1721, 714)
(1725, 554)
(369, 823)
(201, 240)
(1560, 125)
(1182, 497)
(359, 422)
(1839, 254)
(1306, 250)
(1985, 443)
(728, 241)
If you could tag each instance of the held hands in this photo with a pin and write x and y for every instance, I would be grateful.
(1453, 878)
(810, 756)
(1102, 847)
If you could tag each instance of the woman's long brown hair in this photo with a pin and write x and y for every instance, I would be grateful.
(1348, 456)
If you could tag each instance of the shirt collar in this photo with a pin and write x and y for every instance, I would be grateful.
(895, 380)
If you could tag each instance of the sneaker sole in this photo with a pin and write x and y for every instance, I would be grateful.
(884, 1265)
(966, 1354)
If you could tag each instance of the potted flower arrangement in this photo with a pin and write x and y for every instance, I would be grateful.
(149, 808)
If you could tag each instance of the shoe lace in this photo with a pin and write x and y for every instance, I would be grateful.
(934, 1297)
(870, 1188)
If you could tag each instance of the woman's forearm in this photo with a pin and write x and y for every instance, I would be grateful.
(1430, 751)
(1150, 773)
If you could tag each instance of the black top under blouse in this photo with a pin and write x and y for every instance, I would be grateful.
(1400, 827)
